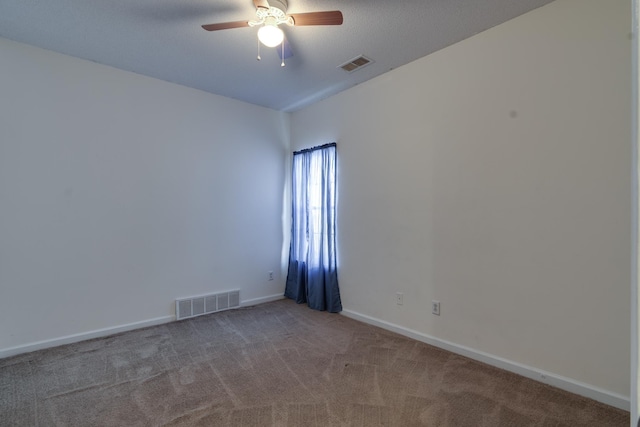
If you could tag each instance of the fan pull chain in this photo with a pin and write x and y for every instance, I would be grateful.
(282, 65)
(258, 58)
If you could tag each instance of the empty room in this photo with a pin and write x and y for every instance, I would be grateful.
(317, 213)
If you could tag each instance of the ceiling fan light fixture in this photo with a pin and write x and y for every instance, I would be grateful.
(270, 35)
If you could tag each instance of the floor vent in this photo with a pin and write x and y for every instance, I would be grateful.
(355, 63)
(205, 304)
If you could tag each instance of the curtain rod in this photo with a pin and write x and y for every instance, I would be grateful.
(319, 147)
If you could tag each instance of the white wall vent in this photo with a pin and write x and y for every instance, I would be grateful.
(205, 304)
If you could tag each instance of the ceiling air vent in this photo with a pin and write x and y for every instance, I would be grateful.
(355, 63)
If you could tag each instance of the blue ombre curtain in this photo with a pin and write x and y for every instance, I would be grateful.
(313, 275)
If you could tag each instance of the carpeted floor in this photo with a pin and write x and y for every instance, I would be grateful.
(277, 364)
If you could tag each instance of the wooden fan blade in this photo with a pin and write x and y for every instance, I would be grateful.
(261, 3)
(225, 25)
(333, 17)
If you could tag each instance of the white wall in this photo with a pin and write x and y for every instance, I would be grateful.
(120, 193)
(494, 176)
(635, 283)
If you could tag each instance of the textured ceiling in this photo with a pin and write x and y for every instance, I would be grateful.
(163, 39)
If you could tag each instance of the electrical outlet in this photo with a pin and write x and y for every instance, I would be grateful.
(271, 275)
(399, 298)
(435, 307)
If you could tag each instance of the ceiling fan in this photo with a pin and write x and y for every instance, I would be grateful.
(270, 14)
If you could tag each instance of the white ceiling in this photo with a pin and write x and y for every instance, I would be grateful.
(163, 39)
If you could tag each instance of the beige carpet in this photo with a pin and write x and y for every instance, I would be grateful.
(277, 364)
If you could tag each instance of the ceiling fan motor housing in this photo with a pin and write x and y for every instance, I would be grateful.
(280, 5)
(275, 14)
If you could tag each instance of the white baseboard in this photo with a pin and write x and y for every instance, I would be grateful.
(98, 333)
(261, 300)
(69, 339)
(564, 383)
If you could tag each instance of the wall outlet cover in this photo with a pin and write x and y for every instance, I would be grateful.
(435, 307)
